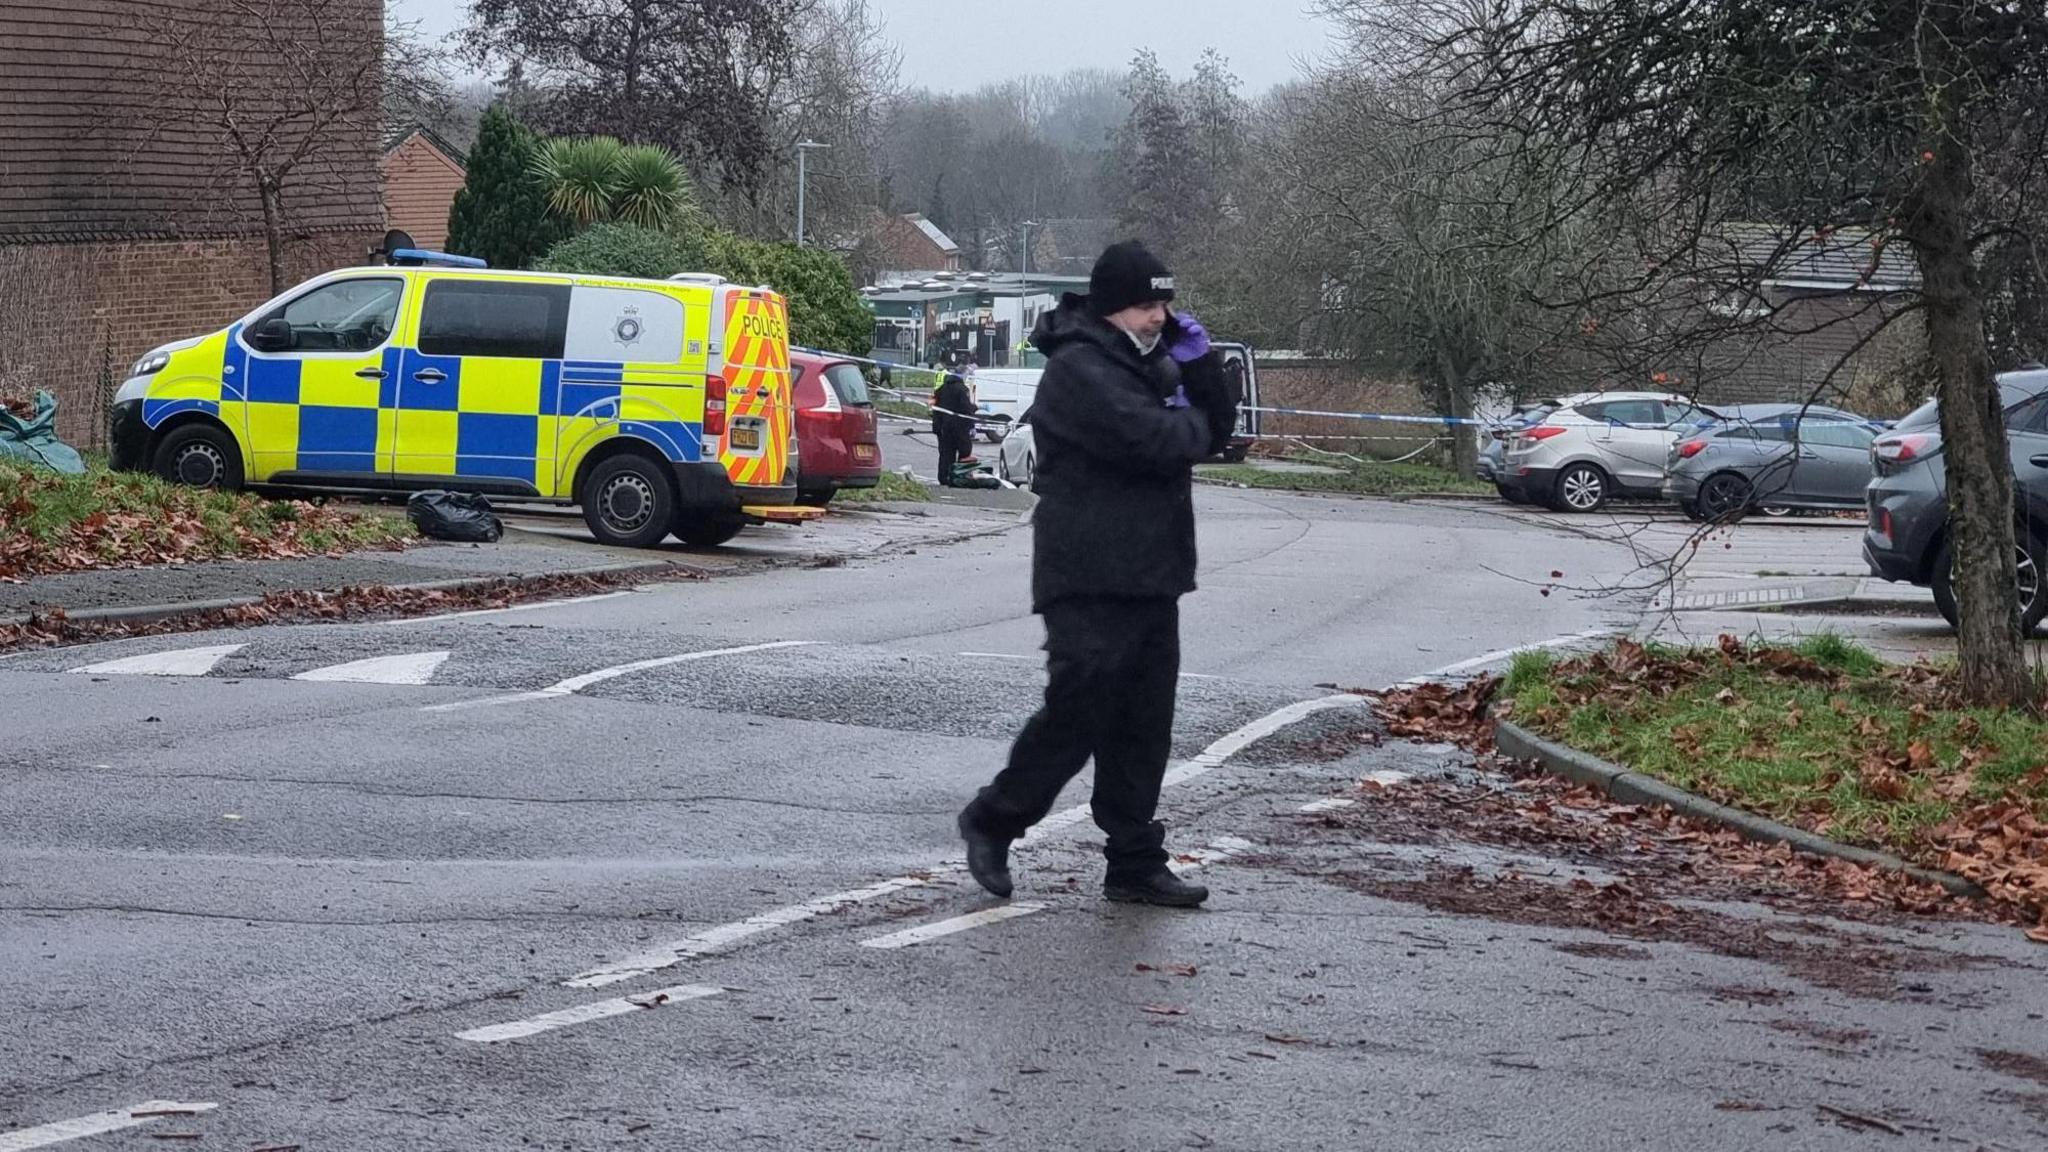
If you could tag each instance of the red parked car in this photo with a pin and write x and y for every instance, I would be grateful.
(835, 428)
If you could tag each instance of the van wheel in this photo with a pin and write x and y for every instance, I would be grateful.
(629, 502)
(202, 456)
(2033, 596)
(708, 531)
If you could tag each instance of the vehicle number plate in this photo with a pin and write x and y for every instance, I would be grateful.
(746, 439)
(863, 451)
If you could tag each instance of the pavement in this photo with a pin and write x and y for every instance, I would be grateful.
(1769, 578)
(675, 868)
(539, 541)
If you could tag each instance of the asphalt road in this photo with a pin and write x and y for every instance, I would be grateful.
(672, 869)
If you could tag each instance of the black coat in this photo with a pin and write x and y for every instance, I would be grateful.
(954, 418)
(1116, 512)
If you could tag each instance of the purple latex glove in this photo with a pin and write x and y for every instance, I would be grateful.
(1193, 341)
(1179, 399)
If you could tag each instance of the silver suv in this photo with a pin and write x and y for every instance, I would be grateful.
(1598, 446)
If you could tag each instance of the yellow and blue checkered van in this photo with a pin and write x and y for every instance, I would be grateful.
(659, 406)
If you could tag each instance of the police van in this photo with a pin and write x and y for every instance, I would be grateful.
(659, 406)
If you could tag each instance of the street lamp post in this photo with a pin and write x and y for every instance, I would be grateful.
(1024, 291)
(803, 155)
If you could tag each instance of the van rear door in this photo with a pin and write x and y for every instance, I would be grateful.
(754, 362)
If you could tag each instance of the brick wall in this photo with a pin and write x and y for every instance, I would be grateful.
(420, 183)
(74, 316)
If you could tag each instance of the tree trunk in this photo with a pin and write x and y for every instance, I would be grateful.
(273, 231)
(1454, 400)
(1975, 452)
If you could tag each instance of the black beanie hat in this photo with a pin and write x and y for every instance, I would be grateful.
(1127, 274)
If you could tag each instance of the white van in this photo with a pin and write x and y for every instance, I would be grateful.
(1004, 395)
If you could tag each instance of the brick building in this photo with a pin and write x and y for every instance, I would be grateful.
(126, 217)
(911, 242)
(422, 173)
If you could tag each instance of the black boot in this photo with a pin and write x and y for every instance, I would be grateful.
(988, 855)
(1154, 885)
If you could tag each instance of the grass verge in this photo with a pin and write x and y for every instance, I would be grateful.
(50, 522)
(905, 408)
(1354, 479)
(1822, 735)
(895, 488)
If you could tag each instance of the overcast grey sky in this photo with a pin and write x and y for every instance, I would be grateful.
(957, 45)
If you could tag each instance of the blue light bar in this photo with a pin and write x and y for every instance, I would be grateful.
(422, 256)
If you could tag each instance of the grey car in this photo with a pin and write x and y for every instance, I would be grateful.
(1493, 449)
(1906, 540)
(1776, 462)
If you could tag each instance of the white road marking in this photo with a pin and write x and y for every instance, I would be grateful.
(148, 1112)
(533, 607)
(1220, 849)
(1384, 777)
(406, 668)
(577, 684)
(1215, 754)
(492, 702)
(585, 1013)
(713, 941)
(1036, 659)
(1496, 657)
(176, 662)
(924, 932)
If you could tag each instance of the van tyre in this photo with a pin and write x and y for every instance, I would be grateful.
(201, 456)
(699, 531)
(2033, 595)
(1580, 488)
(629, 501)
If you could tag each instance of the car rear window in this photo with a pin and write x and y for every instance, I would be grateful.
(849, 383)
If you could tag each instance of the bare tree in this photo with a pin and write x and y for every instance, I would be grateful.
(836, 91)
(1821, 117)
(694, 76)
(1429, 254)
(271, 88)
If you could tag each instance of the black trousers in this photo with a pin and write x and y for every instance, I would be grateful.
(1114, 668)
(955, 443)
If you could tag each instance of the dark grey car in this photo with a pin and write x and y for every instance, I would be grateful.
(1777, 462)
(1906, 540)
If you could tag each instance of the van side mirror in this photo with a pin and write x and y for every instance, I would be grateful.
(272, 335)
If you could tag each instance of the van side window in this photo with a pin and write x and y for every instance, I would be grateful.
(481, 318)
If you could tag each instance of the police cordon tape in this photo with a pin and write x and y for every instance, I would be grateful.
(1352, 439)
(939, 374)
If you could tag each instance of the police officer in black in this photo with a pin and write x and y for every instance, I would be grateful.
(953, 418)
(1132, 397)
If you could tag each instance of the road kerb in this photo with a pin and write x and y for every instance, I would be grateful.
(152, 613)
(1629, 787)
